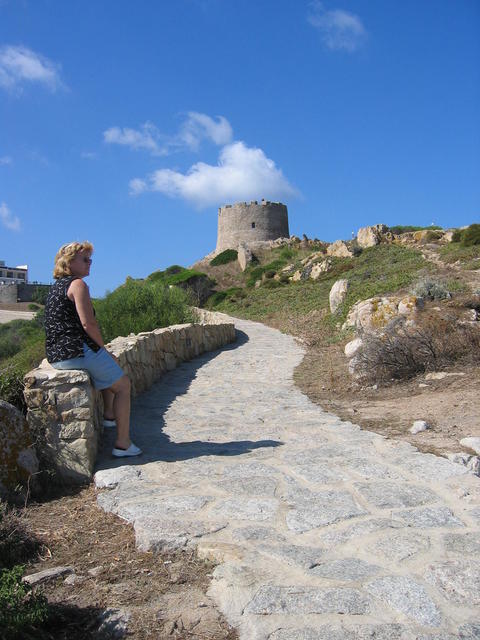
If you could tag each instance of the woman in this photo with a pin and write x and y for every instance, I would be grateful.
(74, 340)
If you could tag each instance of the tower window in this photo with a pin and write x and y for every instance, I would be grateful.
(253, 225)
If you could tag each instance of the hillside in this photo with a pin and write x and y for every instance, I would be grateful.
(276, 289)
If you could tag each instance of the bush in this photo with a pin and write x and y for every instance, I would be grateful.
(403, 351)
(457, 235)
(11, 387)
(399, 228)
(216, 298)
(19, 607)
(8, 347)
(33, 307)
(141, 306)
(431, 290)
(471, 235)
(40, 294)
(229, 255)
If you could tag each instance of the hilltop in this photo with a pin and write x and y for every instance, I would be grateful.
(286, 284)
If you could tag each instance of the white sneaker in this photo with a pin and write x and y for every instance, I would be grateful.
(132, 450)
(109, 423)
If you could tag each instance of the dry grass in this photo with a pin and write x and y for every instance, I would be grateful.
(436, 340)
(73, 531)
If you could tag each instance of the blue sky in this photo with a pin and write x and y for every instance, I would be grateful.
(128, 124)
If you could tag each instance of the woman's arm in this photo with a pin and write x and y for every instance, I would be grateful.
(79, 294)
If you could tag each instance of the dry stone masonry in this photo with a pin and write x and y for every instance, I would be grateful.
(251, 222)
(321, 530)
(64, 409)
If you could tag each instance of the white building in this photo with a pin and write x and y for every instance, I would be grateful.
(15, 275)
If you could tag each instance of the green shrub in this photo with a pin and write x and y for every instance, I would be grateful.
(40, 294)
(229, 255)
(11, 387)
(457, 235)
(471, 235)
(431, 290)
(400, 228)
(269, 274)
(19, 607)
(8, 347)
(173, 270)
(33, 307)
(216, 298)
(271, 284)
(287, 253)
(141, 306)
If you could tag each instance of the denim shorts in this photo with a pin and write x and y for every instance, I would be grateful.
(102, 368)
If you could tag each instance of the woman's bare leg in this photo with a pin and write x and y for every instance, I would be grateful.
(121, 410)
(108, 398)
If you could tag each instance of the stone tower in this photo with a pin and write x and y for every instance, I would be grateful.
(242, 222)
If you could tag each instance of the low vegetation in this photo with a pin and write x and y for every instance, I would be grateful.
(142, 305)
(399, 228)
(377, 271)
(22, 347)
(401, 351)
(20, 609)
(229, 255)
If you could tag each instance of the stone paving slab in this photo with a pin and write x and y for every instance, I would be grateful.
(321, 530)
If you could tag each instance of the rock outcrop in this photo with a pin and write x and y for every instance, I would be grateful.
(371, 236)
(337, 294)
(245, 256)
(339, 249)
(18, 461)
(375, 313)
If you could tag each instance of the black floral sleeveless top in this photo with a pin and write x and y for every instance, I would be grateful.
(65, 334)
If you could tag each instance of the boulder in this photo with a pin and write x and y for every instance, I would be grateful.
(18, 460)
(245, 256)
(375, 313)
(371, 236)
(418, 426)
(313, 257)
(337, 294)
(352, 347)
(409, 305)
(339, 249)
(320, 267)
(472, 443)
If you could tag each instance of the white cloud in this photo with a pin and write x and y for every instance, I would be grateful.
(6, 160)
(147, 138)
(196, 128)
(19, 65)
(8, 219)
(339, 29)
(242, 173)
(199, 126)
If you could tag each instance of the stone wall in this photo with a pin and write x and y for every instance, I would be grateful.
(64, 410)
(250, 222)
(8, 293)
(23, 292)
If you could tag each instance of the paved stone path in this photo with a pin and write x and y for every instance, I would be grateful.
(321, 530)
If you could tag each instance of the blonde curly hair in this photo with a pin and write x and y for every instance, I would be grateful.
(66, 254)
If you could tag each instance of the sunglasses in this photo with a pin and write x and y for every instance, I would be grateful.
(87, 260)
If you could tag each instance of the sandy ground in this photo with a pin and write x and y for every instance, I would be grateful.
(449, 406)
(8, 316)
